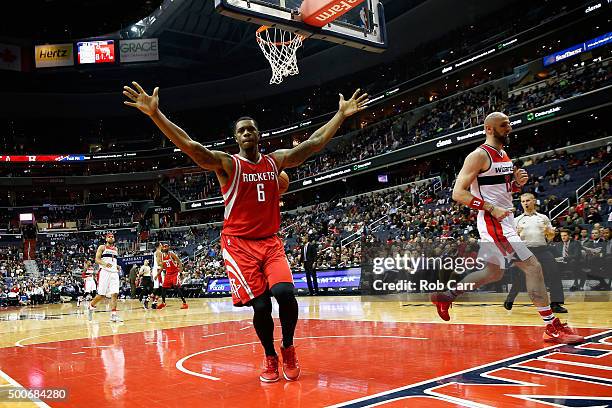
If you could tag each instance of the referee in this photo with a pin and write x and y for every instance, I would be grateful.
(535, 229)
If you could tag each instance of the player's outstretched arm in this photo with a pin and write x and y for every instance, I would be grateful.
(474, 163)
(149, 105)
(287, 158)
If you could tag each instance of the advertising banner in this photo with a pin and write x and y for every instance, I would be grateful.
(139, 50)
(53, 55)
(348, 278)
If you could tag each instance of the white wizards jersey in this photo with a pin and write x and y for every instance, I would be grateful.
(109, 256)
(495, 184)
(499, 241)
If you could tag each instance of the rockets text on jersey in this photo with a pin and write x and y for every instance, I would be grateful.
(251, 198)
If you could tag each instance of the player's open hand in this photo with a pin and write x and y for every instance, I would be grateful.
(146, 103)
(500, 213)
(520, 177)
(353, 105)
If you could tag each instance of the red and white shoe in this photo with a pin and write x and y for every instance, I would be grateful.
(557, 332)
(161, 306)
(269, 374)
(443, 303)
(185, 306)
(291, 365)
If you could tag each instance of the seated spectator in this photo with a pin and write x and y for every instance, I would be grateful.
(593, 215)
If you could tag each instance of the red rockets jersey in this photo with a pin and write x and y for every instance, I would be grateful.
(170, 265)
(251, 199)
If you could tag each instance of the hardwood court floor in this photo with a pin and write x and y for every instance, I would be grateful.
(353, 353)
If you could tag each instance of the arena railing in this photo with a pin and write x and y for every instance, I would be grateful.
(357, 235)
(603, 173)
(585, 188)
(559, 209)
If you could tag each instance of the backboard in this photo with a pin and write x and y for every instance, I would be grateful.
(363, 26)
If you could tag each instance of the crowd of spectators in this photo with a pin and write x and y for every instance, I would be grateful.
(194, 186)
(111, 135)
(17, 288)
(422, 218)
(455, 113)
(564, 82)
(438, 118)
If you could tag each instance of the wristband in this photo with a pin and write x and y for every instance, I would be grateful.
(516, 188)
(476, 204)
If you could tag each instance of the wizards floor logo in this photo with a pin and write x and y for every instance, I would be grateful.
(557, 376)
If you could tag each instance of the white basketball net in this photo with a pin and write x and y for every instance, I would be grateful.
(279, 47)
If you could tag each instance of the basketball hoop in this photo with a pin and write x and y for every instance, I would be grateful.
(279, 47)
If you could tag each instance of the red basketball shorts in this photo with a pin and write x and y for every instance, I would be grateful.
(171, 280)
(254, 265)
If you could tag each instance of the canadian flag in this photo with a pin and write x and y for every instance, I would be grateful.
(10, 57)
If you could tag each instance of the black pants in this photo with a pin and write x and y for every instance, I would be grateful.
(146, 284)
(311, 278)
(598, 269)
(263, 323)
(133, 289)
(552, 276)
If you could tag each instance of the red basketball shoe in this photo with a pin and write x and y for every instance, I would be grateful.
(291, 366)
(185, 306)
(269, 374)
(557, 332)
(161, 306)
(443, 302)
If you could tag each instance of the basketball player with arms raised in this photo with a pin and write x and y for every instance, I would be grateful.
(253, 253)
(486, 183)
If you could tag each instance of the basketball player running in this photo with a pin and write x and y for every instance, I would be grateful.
(172, 266)
(254, 255)
(108, 277)
(486, 183)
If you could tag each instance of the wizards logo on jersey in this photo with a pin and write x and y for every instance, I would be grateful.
(558, 376)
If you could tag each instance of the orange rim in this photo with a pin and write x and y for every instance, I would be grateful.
(265, 28)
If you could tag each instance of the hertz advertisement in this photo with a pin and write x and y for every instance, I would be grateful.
(53, 55)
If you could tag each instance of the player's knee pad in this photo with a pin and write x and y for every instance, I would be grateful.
(283, 291)
(262, 304)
